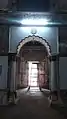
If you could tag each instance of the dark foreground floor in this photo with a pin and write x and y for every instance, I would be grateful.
(32, 105)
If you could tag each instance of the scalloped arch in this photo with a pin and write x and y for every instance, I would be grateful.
(34, 38)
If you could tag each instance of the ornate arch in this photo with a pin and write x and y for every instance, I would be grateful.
(34, 38)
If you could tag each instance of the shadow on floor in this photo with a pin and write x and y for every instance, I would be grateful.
(61, 109)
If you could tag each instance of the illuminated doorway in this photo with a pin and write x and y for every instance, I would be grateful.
(30, 50)
(33, 74)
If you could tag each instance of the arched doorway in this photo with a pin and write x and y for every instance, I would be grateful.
(34, 38)
(33, 54)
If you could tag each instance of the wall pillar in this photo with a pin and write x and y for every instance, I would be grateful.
(21, 72)
(13, 76)
(12, 91)
(54, 73)
(25, 74)
(54, 78)
(17, 71)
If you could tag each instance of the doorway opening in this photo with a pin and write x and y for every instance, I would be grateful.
(33, 63)
(33, 74)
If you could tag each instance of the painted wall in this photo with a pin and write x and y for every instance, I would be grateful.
(3, 71)
(57, 5)
(63, 72)
(4, 39)
(3, 3)
(62, 4)
(18, 33)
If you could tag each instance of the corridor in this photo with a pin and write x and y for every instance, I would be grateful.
(32, 104)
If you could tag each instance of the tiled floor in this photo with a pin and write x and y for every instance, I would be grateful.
(32, 105)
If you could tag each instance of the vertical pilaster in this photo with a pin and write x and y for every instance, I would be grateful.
(13, 74)
(54, 73)
(55, 87)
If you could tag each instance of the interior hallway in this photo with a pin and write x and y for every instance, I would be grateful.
(32, 104)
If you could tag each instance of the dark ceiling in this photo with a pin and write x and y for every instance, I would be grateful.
(33, 5)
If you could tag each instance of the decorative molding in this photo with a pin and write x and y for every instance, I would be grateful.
(34, 38)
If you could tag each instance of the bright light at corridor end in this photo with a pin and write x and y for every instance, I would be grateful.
(35, 21)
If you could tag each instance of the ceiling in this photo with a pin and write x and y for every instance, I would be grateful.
(33, 51)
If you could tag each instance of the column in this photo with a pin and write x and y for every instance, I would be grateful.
(17, 71)
(54, 73)
(9, 75)
(21, 72)
(9, 72)
(12, 78)
(53, 76)
(46, 73)
(55, 82)
(25, 74)
(13, 74)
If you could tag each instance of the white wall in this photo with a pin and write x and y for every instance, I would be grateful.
(3, 76)
(63, 72)
(19, 33)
